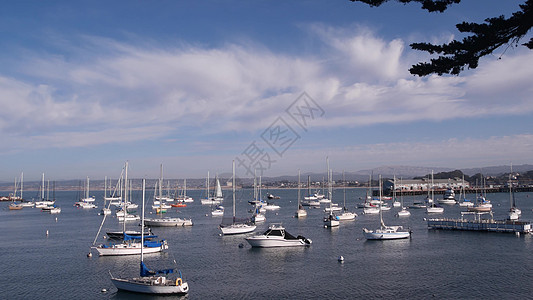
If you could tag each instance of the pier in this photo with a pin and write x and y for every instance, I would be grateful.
(479, 224)
(457, 191)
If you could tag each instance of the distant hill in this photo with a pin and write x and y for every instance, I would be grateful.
(497, 170)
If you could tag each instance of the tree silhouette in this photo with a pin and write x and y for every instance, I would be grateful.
(486, 37)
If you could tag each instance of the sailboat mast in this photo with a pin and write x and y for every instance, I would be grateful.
(42, 188)
(343, 190)
(298, 188)
(126, 198)
(160, 181)
(233, 186)
(142, 221)
(21, 184)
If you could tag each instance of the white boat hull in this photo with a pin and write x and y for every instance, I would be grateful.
(237, 229)
(274, 241)
(447, 201)
(301, 213)
(128, 249)
(346, 216)
(380, 234)
(147, 286)
(168, 222)
(403, 213)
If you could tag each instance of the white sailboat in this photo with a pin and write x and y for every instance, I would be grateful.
(260, 205)
(149, 281)
(301, 212)
(345, 215)
(432, 207)
(462, 196)
(236, 227)
(184, 197)
(404, 212)
(514, 212)
(330, 220)
(385, 232)
(217, 198)
(310, 199)
(395, 202)
(44, 202)
(131, 244)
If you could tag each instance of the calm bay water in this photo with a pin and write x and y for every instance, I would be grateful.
(440, 264)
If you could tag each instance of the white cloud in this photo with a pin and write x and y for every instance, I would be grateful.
(356, 76)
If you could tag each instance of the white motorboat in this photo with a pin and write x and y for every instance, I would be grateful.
(276, 236)
(385, 232)
(236, 227)
(448, 197)
(149, 281)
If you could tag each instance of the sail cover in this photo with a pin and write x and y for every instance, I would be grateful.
(147, 272)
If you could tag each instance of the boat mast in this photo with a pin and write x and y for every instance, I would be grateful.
(298, 188)
(142, 221)
(381, 204)
(233, 188)
(105, 188)
(42, 188)
(344, 190)
(126, 198)
(21, 184)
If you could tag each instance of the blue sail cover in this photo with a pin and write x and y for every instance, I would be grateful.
(147, 272)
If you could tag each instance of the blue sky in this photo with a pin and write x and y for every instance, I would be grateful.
(87, 85)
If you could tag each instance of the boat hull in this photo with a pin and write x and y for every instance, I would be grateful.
(237, 229)
(273, 241)
(168, 222)
(146, 287)
(128, 249)
(385, 235)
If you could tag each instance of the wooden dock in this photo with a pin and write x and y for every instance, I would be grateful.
(479, 224)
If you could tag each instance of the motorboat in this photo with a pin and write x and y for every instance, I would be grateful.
(277, 236)
(448, 197)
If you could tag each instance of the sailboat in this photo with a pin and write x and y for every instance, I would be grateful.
(462, 196)
(44, 202)
(236, 227)
(330, 220)
(131, 244)
(301, 212)
(260, 207)
(368, 207)
(184, 197)
(514, 212)
(345, 215)
(14, 205)
(217, 198)
(150, 281)
(310, 199)
(431, 206)
(395, 202)
(385, 232)
(404, 212)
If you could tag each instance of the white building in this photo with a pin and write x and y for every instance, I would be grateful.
(425, 184)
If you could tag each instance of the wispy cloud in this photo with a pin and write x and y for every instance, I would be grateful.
(131, 90)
